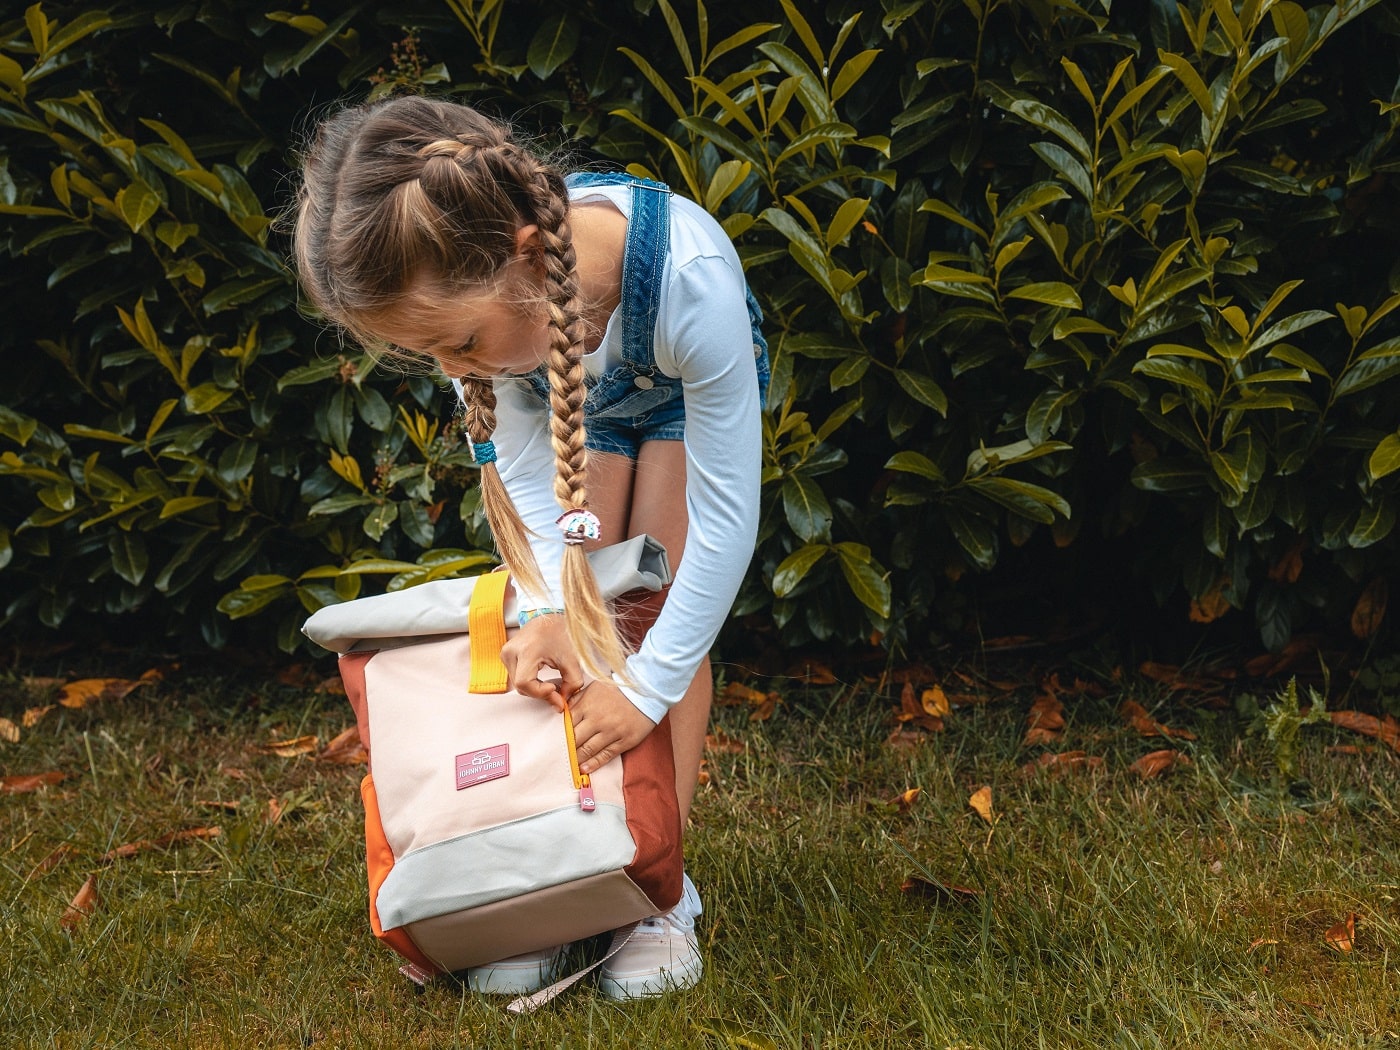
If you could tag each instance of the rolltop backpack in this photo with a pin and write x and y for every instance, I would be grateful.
(483, 838)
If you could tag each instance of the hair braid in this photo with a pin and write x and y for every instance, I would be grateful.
(512, 539)
(591, 626)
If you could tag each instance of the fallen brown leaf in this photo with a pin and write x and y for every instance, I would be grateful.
(345, 749)
(79, 694)
(25, 783)
(1155, 763)
(764, 710)
(1174, 678)
(31, 717)
(130, 849)
(981, 803)
(1349, 749)
(274, 812)
(1343, 935)
(718, 741)
(1212, 605)
(935, 702)
(302, 745)
(233, 772)
(1062, 762)
(9, 732)
(332, 685)
(813, 673)
(738, 693)
(1145, 724)
(1366, 617)
(1046, 718)
(83, 904)
(938, 892)
(905, 800)
(704, 776)
(1261, 942)
(1386, 730)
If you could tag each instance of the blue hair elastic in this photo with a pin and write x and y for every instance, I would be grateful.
(484, 452)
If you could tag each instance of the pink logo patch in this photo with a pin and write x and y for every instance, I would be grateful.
(477, 767)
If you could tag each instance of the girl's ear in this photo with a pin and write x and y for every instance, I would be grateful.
(528, 246)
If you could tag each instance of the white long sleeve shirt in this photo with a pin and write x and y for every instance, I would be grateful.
(704, 339)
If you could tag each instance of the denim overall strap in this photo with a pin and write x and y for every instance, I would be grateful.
(643, 261)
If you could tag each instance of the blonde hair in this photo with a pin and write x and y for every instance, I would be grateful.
(413, 186)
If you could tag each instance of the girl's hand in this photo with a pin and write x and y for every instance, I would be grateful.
(543, 642)
(605, 725)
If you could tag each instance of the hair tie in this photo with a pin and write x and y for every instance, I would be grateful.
(579, 525)
(484, 452)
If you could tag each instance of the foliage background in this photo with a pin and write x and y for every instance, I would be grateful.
(1084, 309)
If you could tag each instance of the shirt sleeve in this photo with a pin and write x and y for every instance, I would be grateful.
(704, 337)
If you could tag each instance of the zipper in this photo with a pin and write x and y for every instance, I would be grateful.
(582, 784)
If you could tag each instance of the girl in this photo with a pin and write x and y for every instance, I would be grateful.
(605, 349)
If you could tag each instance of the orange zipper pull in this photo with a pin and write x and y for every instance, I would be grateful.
(586, 801)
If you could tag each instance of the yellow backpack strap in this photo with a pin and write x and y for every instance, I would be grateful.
(486, 620)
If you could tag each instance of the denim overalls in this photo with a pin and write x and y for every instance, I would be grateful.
(636, 401)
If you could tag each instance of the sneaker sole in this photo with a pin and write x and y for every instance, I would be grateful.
(650, 985)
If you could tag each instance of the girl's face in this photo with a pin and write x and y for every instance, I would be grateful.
(480, 335)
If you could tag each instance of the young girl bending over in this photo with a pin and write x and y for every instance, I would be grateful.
(605, 348)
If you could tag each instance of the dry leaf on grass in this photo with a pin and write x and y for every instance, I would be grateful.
(935, 702)
(1046, 718)
(83, 904)
(274, 812)
(737, 693)
(130, 849)
(981, 803)
(84, 691)
(9, 732)
(345, 749)
(939, 892)
(25, 783)
(1343, 935)
(1155, 763)
(302, 745)
(31, 717)
(1212, 605)
(1261, 942)
(718, 741)
(1137, 717)
(1386, 730)
(213, 803)
(905, 800)
(912, 711)
(1062, 762)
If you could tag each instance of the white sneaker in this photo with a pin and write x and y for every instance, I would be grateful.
(518, 975)
(661, 955)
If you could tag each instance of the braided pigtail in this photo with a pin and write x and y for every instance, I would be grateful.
(591, 626)
(512, 538)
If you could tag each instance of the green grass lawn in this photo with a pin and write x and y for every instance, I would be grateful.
(1186, 910)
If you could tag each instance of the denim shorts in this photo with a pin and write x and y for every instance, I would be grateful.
(637, 402)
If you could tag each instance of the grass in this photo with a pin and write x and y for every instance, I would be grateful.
(1188, 910)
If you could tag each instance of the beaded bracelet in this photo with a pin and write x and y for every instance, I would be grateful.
(526, 615)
